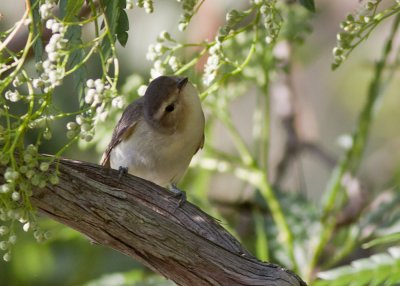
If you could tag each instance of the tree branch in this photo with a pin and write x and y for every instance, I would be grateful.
(141, 219)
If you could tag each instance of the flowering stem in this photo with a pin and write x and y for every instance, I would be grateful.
(353, 156)
(17, 27)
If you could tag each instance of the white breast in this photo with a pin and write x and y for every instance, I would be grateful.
(157, 157)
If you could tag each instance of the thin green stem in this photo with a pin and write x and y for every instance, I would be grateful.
(191, 63)
(66, 146)
(285, 233)
(352, 158)
(24, 124)
(367, 29)
(19, 24)
(238, 69)
(85, 59)
(240, 145)
(261, 237)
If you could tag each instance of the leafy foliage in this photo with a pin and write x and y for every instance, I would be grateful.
(379, 269)
(284, 228)
(357, 28)
(309, 4)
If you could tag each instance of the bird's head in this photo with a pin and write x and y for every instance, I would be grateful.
(166, 103)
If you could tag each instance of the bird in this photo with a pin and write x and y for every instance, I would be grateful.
(159, 133)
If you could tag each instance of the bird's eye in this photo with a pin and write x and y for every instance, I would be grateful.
(169, 108)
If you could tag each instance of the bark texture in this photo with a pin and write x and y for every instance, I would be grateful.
(141, 219)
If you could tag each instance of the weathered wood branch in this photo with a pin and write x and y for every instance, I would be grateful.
(141, 219)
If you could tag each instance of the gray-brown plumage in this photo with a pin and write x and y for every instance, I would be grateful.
(158, 134)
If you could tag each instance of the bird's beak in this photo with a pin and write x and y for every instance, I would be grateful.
(182, 82)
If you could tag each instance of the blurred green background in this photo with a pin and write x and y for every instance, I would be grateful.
(328, 103)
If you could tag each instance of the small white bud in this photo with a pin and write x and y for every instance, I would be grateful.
(37, 83)
(90, 95)
(71, 125)
(53, 56)
(12, 239)
(3, 230)
(15, 196)
(90, 83)
(99, 85)
(86, 127)
(142, 90)
(80, 119)
(44, 166)
(7, 257)
(26, 226)
(71, 134)
(54, 179)
(88, 137)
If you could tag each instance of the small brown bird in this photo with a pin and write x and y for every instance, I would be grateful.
(158, 134)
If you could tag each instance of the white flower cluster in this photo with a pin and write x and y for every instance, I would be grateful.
(142, 90)
(12, 95)
(158, 69)
(174, 63)
(18, 184)
(19, 80)
(272, 20)
(41, 122)
(212, 64)
(118, 102)
(161, 54)
(6, 244)
(56, 44)
(354, 29)
(129, 4)
(55, 26)
(52, 73)
(98, 94)
(188, 7)
(165, 37)
(46, 8)
(155, 51)
(233, 18)
(96, 91)
(147, 5)
(83, 126)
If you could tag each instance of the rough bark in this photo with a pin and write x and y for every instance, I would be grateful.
(141, 219)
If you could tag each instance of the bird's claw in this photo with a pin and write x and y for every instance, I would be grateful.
(122, 171)
(178, 194)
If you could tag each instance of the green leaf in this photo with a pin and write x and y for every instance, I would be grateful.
(122, 38)
(308, 4)
(378, 269)
(118, 23)
(390, 238)
(73, 35)
(122, 28)
(112, 14)
(37, 27)
(123, 22)
(72, 9)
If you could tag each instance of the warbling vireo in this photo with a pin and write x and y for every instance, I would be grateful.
(158, 134)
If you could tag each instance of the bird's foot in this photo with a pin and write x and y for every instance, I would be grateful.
(121, 172)
(178, 194)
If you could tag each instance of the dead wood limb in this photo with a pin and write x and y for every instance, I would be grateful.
(140, 219)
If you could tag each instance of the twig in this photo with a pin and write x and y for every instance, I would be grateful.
(352, 158)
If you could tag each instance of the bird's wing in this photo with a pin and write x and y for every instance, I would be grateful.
(124, 129)
(201, 144)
